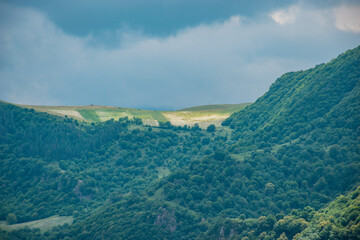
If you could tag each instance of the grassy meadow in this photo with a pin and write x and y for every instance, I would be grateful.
(202, 115)
(43, 224)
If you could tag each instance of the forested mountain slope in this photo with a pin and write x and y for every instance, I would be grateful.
(298, 145)
(299, 103)
(51, 165)
(338, 220)
(280, 160)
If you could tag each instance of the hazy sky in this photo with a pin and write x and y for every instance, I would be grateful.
(164, 54)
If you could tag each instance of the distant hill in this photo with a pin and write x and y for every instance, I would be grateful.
(230, 108)
(202, 115)
(97, 113)
(277, 169)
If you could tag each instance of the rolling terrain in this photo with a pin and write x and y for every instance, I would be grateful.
(284, 167)
(202, 115)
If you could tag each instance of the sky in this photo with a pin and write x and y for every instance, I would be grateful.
(164, 54)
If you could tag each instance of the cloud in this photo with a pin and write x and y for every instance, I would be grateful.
(285, 16)
(229, 61)
(347, 18)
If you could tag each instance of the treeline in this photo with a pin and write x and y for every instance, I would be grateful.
(320, 101)
(51, 165)
(290, 153)
(340, 220)
(264, 183)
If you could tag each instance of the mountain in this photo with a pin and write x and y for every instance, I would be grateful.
(292, 148)
(297, 104)
(274, 170)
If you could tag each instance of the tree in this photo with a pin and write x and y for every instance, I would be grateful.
(11, 219)
(283, 237)
(211, 128)
(269, 188)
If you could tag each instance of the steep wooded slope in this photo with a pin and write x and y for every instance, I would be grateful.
(298, 103)
(290, 154)
(297, 145)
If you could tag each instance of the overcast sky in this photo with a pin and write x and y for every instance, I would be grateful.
(164, 54)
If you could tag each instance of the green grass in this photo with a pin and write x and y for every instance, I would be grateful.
(43, 224)
(148, 116)
(159, 117)
(240, 157)
(203, 118)
(163, 172)
(89, 115)
(159, 195)
(202, 115)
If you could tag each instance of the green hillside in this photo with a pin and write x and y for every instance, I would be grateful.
(298, 142)
(277, 169)
(202, 115)
(95, 113)
(305, 101)
(339, 220)
(44, 225)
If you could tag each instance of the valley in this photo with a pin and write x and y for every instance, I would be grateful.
(284, 167)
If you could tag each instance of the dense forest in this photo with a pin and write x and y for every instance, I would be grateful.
(285, 167)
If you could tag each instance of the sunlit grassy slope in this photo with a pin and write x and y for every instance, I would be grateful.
(43, 224)
(202, 115)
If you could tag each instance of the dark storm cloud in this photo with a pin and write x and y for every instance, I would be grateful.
(224, 61)
(155, 17)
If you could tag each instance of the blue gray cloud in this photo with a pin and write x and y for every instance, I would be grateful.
(225, 61)
(154, 18)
